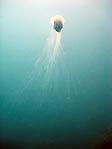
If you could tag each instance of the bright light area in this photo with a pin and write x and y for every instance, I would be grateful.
(56, 2)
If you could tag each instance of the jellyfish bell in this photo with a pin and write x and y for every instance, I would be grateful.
(57, 23)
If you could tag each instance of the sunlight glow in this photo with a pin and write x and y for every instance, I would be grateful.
(57, 2)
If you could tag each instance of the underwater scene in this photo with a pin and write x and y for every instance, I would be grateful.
(56, 74)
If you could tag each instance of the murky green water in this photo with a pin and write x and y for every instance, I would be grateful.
(71, 106)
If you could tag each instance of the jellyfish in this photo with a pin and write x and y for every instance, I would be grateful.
(50, 68)
(54, 42)
(47, 65)
(53, 47)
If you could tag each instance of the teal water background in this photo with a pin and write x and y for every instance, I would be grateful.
(76, 109)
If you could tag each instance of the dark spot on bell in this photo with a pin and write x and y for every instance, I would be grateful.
(58, 25)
